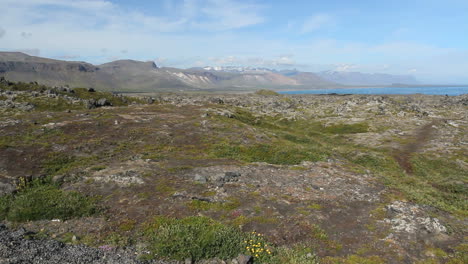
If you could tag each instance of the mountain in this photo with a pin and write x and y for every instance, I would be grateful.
(124, 75)
(307, 78)
(358, 78)
(17, 66)
(130, 75)
(138, 76)
(245, 76)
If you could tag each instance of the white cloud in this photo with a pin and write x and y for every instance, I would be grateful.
(281, 61)
(345, 67)
(77, 4)
(203, 15)
(227, 14)
(316, 22)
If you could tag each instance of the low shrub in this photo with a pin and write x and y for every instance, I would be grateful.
(41, 200)
(195, 238)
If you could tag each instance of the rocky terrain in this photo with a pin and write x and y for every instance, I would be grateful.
(318, 178)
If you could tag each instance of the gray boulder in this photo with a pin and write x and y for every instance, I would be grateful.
(103, 102)
(6, 188)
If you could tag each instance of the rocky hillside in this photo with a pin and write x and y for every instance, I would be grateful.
(233, 178)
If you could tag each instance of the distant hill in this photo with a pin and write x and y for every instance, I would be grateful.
(358, 78)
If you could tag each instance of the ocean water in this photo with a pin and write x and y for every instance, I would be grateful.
(446, 90)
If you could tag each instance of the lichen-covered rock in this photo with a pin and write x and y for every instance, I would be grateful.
(412, 219)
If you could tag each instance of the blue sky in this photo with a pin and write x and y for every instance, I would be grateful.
(427, 39)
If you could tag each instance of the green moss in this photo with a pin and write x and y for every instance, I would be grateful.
(318, 233)
(164, 187)
(198, 205)
(127, 225)
(57, 163)
(436, 182)
(98, 168)
(117, 239)
(209, 193)
(314, 206)
(346, 128)
(280, 153)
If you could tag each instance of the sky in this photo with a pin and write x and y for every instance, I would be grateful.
(424, 38)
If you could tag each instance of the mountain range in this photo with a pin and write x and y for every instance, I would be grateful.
(138, 76)
(358, 78)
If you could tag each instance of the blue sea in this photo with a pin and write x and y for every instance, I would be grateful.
(442, 90)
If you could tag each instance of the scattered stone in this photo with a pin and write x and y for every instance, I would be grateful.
(122, 178)
(243, 259)
(90, 104)
(6, 188)
(231, 176)
(103, 102)
(200, 178)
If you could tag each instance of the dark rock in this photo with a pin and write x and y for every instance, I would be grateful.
(217, 101)
(203, 199)
(91, 90)
(51, 92)
(231, 176)
(103, 102)
(91, 103)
